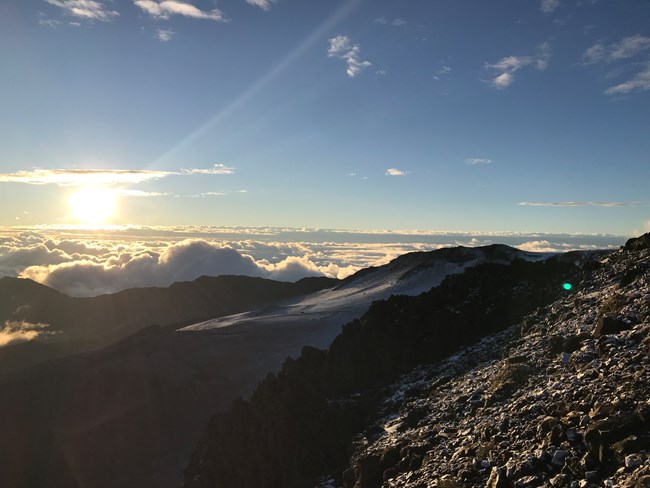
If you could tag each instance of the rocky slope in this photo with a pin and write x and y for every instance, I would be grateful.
(558, 396)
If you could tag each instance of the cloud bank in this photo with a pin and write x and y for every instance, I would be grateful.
(86, 270)
(73, 177)
(83, 265)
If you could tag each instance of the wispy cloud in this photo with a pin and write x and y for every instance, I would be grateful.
(443, 71)
(508, 66)
(85, 9)
(629, 47)
(74, 177)
(626, 48)
(395, 172)
(621, 54)
(640, 81)
(263, 4)
(475, 161)
(142, 194)
(396, 22)
(208, 194)
(342, 48)
(549, 6)
(575, 204)
(164, 35)
(166, 8)
(50, 23)
(217, 169)
(594, 54)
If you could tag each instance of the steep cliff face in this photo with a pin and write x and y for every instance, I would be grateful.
(299, 425)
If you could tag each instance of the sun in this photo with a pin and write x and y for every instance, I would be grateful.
(92, 205)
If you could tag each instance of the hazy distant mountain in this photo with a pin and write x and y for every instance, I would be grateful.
(128, 415)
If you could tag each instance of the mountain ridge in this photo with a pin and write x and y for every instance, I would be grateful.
(273, 440)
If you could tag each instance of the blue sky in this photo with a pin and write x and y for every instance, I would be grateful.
(519, 115)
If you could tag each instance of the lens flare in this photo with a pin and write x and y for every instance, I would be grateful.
(567, 286)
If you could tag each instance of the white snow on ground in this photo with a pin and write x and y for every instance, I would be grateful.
(323, 313)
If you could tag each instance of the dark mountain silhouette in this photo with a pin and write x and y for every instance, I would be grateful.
(79, 324)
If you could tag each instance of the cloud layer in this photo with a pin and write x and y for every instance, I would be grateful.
(73, 177)
(575, 204)
(86, 266)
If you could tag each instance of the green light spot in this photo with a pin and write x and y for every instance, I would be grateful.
(567, 286)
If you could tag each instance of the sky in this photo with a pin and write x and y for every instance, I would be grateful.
(428, 115)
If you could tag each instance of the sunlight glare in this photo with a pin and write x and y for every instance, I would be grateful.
(92, 205)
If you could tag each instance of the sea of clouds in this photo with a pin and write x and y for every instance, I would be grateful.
(83, 263)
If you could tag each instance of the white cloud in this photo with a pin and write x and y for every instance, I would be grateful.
(381, 72)
(263, 4)
(12, 332)
(164, 9)
(640, 81)
(398, 22)
(507, 66)
(620, 52)
(395, 172)
(626, 48)
(85, 9)
(74, 177)
(475, 161)
(182, 261)
(549, 6)
(594, 54)
(504, 80)
(629, 47)
(217, 169)
(342, 48)
(575, 204)
(164, 35)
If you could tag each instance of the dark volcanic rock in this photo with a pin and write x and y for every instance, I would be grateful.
(610, 325)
